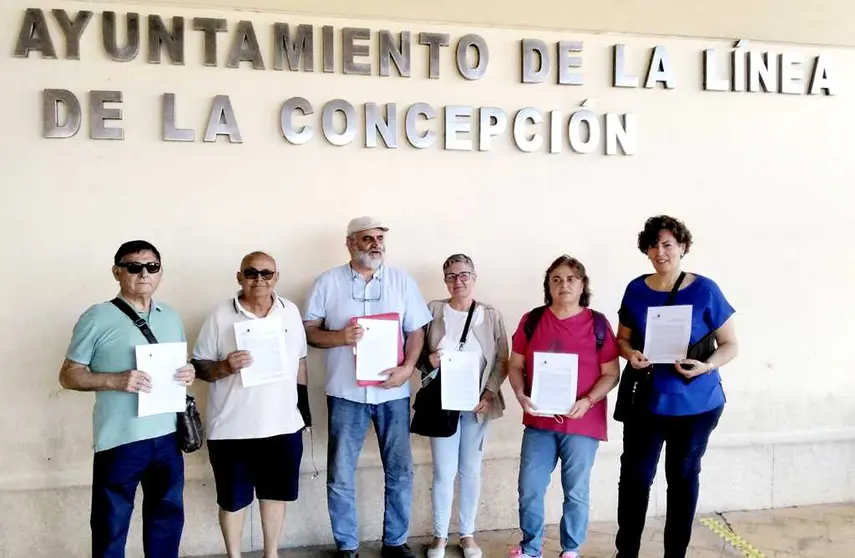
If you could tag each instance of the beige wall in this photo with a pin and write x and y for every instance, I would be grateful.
(825, 22)
(763, 180)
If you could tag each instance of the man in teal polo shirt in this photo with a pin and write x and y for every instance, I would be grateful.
(129, 450)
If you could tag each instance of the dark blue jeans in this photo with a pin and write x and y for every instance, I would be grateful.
(348, 423)
(157, 464)
(685, 439)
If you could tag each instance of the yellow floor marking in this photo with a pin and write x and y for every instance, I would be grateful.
(744, 547)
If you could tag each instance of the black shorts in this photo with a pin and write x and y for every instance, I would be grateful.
(269, 466)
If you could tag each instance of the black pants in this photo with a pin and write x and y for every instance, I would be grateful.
(158, 465)
(685, 439)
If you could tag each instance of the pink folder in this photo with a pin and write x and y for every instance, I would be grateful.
(388, 316)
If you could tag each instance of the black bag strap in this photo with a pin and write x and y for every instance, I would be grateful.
(673, 294)
(637, 339)
(138, 321)
(466, 325)
(532, 320)
(536, 314)
(600, 326)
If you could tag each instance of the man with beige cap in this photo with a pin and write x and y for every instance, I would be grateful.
(362, 287)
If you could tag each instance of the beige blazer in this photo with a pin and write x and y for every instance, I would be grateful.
(492, 337)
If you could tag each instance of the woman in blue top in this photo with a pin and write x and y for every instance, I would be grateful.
(684, 400)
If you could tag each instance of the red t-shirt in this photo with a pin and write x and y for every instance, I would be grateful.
(570, 335)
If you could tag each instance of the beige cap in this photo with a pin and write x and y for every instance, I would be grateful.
(364, 223)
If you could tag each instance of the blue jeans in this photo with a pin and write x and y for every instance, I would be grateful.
(157, 464)
(348, 422)
(459, 454)
(541, 450)
(685, 439)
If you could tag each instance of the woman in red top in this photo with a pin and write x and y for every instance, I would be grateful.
(567, 327)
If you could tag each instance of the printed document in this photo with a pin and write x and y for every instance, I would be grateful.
(553, 389)
(460, 372)
(669, 328)
(161, 362)
(264, 339)
(377, 351)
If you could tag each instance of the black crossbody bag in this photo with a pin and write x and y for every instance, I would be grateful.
(635, 390)
(430, 419)
(190, 432)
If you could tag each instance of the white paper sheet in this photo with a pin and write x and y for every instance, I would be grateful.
(161, 362)
(553, 389)
(265, 340)
(669, 329)
(461, 379)
(377, 351)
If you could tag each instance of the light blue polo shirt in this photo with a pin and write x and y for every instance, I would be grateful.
(341, 294)
(104, 339)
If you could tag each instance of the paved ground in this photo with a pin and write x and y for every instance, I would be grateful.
(812, 532)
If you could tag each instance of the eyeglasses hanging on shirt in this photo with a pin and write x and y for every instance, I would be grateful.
(365, 292)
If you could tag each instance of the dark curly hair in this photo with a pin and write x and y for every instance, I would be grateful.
(578, 268)
(649, 237)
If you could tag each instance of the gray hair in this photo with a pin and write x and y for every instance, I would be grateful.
(458, 258)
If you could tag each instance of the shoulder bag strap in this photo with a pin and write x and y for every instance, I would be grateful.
(531, 322)
(138, 321)
(466, 326)
(673, 294)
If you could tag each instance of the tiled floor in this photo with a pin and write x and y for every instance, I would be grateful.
(811, 532)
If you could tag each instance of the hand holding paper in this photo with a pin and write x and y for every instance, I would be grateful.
(352, 334)
(238, 360)
(690, 368)
(579, 410)
(637, 360)
(132, 381)
(396, 377)
(485, 404)
(185, 375)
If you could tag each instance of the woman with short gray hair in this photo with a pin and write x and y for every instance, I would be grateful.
(460, 323)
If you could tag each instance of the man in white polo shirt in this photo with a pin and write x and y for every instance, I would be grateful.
(366, 286)
(254, 433)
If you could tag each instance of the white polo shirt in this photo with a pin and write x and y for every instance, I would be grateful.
(238, 412)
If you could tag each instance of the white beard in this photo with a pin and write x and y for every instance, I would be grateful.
(367, 261)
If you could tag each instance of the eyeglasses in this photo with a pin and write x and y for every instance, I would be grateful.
(464, 276)
(252, 273)
(135, 268)
(362, 297)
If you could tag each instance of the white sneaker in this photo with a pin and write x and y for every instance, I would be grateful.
(471, 552)
(438, 552)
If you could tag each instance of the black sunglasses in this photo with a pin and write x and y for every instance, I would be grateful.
(136, 267)
(252, 273)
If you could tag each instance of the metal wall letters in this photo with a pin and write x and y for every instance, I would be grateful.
(356, 52)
